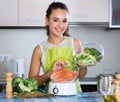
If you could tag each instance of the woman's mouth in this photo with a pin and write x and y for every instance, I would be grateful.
(59, 30)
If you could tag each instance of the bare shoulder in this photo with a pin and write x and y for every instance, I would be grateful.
(37, 48)
(77, 44)
(37, 51)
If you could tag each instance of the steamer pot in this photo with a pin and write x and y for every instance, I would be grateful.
(104, 79)
(62, 88)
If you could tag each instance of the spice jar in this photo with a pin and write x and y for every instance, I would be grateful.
(116, 87)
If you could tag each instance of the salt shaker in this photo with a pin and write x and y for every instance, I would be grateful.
(8, 85)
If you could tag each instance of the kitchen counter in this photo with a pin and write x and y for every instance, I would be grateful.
(80, 97)
(88, 81)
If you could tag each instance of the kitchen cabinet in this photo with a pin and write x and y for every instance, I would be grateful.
(114, 21)
(23, 13)
(8, 12)
(87, 10)
(32, 12)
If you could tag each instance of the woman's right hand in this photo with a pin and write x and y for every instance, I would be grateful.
(59, 64)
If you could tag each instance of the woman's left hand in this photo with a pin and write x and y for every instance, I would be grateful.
(82, 72)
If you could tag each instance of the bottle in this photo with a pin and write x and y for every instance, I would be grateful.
(110, 98)
(8, 85)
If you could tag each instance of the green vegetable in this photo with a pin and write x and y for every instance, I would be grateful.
(21, 85)
(31, 83)
(93, 51)
(90, 56)
(23, 88)
(85, 59)
(15, 84)
(87, 50)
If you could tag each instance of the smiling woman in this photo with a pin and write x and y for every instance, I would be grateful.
(56, 52)
(58, 20)
(60, 16)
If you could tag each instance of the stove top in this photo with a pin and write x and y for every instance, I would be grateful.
(88, 80)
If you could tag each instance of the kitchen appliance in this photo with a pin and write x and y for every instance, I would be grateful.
(62, 89)
(5, 66)
(18, 68)
(104, 82)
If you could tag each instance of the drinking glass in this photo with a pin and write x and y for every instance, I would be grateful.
(105, 86)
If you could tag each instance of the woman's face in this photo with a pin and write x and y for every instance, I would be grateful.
(57, 22)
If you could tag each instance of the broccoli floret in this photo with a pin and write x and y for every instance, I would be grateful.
(81, 56)
(17, 80)
(21, 85)
(23, 88)
(87, 50)
(97, 54)
(15, 83)
(93, 51)
(32, 84)
(86, 59)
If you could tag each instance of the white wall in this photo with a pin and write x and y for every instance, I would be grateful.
(19, 43)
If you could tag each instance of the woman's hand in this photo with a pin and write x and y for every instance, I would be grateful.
(59, 64)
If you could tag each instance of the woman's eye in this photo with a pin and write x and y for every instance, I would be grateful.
(65, 21)
(55, 20)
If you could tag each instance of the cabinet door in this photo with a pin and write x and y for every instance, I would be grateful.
(87, 10)
(8, 12)
(32, 12)
(114, 19)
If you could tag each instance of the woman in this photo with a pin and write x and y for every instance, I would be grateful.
(57, 51)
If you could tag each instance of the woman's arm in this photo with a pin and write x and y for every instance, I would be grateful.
(78, 47)
(82, 72)
(35, 67)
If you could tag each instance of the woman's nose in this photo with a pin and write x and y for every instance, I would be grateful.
(60, 24)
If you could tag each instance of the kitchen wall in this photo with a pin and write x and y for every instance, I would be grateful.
(19, 43)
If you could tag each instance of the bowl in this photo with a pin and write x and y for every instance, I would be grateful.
(99, 47)
(92, 55)
(62, 89)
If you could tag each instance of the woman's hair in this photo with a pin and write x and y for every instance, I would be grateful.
(53, 6)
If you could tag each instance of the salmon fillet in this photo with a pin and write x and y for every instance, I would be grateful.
(63, 75)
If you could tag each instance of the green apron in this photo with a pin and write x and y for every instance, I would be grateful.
(64, 53)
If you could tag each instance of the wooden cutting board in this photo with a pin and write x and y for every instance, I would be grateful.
(35, 94)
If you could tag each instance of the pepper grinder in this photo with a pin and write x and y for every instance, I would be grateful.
(8, 85)
(116, 84)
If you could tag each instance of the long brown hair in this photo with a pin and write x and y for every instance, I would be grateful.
(53, 6)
